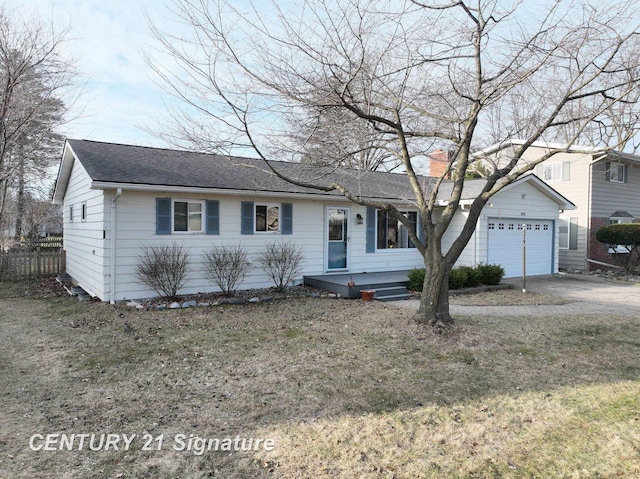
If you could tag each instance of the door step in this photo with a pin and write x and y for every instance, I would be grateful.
(391, 293)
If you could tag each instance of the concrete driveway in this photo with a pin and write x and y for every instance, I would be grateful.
(586, 294)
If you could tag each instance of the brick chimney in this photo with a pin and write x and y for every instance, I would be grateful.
(438, 161)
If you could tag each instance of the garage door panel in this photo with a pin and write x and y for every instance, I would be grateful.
(505, 245)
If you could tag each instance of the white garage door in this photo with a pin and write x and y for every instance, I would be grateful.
(505, 245)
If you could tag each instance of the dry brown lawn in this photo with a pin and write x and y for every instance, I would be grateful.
(346, 389)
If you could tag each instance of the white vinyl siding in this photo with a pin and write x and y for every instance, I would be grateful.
(84, 241)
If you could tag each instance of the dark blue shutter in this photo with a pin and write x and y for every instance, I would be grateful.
(287, 219)
(163, 216)
(213, 217)
(371, 230)
(246, 223)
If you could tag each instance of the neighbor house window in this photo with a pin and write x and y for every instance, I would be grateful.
(563, 235)
(616, 173)
(552, 172)
(620, 217)
(187, 216)
(83, 212)
(71, 214)
(392, 233)
(267, 218)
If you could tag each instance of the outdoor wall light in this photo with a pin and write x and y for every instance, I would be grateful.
(359, 219)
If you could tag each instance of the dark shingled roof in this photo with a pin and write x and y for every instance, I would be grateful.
(137, 165)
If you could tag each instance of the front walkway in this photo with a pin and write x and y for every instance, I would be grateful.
(588, 295)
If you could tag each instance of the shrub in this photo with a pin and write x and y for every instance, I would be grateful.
(620, 234)
(457, 278)
(626, 235)
(416, 279)
(462, 276)
(473, 277)
(226, 266)
(282, 262)
(163, 268)
(490, 274)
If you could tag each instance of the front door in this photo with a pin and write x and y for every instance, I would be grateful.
(337, 238)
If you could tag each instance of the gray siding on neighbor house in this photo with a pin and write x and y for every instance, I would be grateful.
(609, 197)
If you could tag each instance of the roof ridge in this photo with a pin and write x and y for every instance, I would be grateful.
(173, 150)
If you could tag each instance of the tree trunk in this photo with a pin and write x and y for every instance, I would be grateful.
(20, 213)
(434, 302)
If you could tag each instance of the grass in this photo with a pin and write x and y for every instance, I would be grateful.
(345, 388)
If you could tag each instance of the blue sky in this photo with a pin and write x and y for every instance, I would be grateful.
(109, 39)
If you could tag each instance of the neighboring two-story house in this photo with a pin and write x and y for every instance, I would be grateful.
(604, 186)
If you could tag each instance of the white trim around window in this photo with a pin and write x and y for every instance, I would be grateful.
(552, 172)
(393, 235)
(564, 233)
(267, 218)
(617, 173)
(189, 217)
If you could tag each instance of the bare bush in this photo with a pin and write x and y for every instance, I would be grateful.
(282, 262)
(163, 268)
(227, 266)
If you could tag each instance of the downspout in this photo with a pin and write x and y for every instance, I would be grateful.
(112, 270)
(587, 250)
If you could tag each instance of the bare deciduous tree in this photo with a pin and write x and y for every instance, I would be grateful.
(34, 76)
(419, 74)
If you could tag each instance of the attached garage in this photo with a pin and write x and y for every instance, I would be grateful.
(505, 245)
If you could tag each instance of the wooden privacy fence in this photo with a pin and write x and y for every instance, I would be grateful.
(18, 265)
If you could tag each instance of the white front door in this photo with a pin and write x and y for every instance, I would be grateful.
(337, 238)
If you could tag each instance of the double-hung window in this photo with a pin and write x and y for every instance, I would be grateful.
(393, 234)
(257, 218)
(563, 233)
(559, 171)
(552, 172)
(187, 216)
(181, 216)
(616, 173)
(267, 218)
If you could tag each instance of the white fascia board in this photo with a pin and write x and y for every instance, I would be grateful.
(536, 144)
(64, 173)
(101, 185)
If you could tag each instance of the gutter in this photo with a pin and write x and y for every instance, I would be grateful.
(112, 258)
